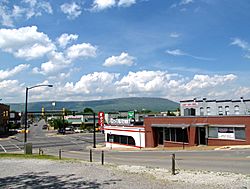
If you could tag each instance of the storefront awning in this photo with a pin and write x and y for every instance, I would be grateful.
(171, 125)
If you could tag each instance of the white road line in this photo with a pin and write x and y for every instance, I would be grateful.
(15, 145)
(3, 148)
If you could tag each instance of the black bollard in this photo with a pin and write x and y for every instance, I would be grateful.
(60, 154)
(102, 157)
(173, 164)
(90, 155)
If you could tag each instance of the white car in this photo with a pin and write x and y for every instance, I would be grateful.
(78, 130)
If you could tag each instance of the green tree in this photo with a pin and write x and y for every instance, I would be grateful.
(88, 110)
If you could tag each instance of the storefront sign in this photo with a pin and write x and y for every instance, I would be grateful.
(120, 122)
(192, 104)
(226, 133)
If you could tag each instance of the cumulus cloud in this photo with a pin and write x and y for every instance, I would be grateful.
(22, 9)
(185, 2)
(178, 52)
(99, 5)
(65, 39)
(122, 59)
(81, 51)
(25, 42)
(243, 45)
(72, 10)
(4, 74)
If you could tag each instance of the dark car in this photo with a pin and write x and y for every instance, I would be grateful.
(45, 127)
(61, 131)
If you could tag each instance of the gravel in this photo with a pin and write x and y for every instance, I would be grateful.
(33, 173)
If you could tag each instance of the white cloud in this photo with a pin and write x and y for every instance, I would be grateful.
(71, 10)
(243, 45)
(81, 50)
(123, 59)
(25, 42)
(65, 39)
(102, 4)
(174, 35)
(178, 52)
(99, 5)
(4, 74)
(185, 2)
(126, 3)
(23, 9)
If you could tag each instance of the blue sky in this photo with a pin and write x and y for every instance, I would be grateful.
(102, 49)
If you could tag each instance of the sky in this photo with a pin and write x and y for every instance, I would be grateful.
(105, 49)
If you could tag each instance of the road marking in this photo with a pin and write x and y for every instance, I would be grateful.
(15, 145)
(3, 148)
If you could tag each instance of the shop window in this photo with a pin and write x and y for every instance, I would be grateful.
(176, 134)
(236, 110)
(213, 132)
(240, 133)
(121, 139)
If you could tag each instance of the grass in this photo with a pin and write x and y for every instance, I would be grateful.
(32, 156)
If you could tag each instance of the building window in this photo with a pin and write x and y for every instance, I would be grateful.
(121, 139)
(240, 133)
(176, 135)
(220, 110)
(208, 111)
(202, 111)
(189, 112)
(236, 110)
(230, 133)
(227, 110)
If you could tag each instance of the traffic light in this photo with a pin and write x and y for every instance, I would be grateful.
(42, 111)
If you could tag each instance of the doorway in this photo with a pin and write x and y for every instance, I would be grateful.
(160, 136)
(201, 134)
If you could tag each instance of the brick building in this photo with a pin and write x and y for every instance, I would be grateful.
(197, 130)
(4, 118)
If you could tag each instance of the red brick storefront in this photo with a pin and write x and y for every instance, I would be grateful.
(198, 130)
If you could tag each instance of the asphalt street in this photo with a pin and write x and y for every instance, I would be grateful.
(77, 146)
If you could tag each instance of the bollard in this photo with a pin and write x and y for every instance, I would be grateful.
(39, 151)
(60, 154)
(102, 157)
(90, 155)
(173, 164)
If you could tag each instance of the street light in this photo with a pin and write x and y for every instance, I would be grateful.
(26, 108)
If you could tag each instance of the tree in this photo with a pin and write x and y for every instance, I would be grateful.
(88, 110)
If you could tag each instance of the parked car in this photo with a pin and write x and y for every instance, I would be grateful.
(61, 131)
(45, 127)
(69, 129)
(78, 130)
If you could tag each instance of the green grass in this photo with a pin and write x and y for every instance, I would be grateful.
(32, 156)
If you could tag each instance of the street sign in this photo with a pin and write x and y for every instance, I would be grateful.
(101, 119)
(131, 114)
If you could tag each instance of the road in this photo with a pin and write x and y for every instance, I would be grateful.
(76, 146)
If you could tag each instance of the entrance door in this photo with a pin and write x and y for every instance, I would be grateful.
(160, 136)
(202, 136)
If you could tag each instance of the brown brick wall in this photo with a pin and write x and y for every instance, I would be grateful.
(152, 140)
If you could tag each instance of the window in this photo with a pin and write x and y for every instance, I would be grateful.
(227, 110)
(213, 132)
(240, 133)
(189, 112)
(236, 110)
(208, 111)
(176, 134)
(202, 111)
(121, 139)
(220, 110)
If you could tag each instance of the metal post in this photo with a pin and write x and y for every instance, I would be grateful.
(90, 155)
(102, 157)
(94, 137)
(183, 146)
(26, 116)
(173, 164)
(140, 137)
(60, 154)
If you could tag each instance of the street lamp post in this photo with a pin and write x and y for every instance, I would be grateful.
(26, 108)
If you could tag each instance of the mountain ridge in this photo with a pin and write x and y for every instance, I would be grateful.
(108, 105)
